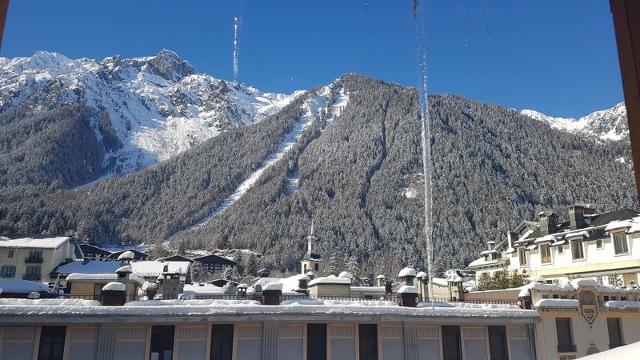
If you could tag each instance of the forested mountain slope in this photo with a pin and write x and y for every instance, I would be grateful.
(355, 169)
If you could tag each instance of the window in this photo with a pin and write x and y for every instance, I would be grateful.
(615, 332)
(8, 271)
(162, 342)
(51, 343)
(599, 244)
(222, 342)
(545, 253)
(32, 272)
(451, 343)
(522, 256)
(368, 341)
(35, 256)
(620, 243)
(316, 267)
(577, 252)
(498, 343)
(10, 255)
(565, 338)
(316, 341)
(560, 249)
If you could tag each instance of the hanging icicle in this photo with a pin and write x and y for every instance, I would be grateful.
(418, 20)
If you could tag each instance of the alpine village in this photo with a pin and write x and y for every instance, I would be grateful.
(292, 226)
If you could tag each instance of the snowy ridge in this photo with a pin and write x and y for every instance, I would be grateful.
(158, 106)
(607, 125)
(313, 106)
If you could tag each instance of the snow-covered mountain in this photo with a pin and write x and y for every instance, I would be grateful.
(157, 106)
(607, 125)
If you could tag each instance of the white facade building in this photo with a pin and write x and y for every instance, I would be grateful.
(605, 247)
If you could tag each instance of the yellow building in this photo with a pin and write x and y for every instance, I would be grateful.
(33, 259)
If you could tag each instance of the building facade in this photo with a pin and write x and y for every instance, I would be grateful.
(605, 247)
(33, 259)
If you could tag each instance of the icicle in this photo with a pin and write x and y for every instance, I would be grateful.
(236, 48)
(418, 20)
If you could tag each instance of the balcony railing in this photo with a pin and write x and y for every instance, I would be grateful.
(33, 260)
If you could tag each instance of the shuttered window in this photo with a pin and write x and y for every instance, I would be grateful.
(615, 332)
(316, 341)
(222, 342)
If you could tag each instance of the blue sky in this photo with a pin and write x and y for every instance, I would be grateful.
(558, 57)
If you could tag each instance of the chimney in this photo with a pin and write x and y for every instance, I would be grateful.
(272, 293)
(303, 282)
(380, 280)
(491, 245)
(408, 296)
(114, 294)
(548, 222)
(576, 216)
(171, 285)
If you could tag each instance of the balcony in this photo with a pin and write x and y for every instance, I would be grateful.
(33, 260)
(33, 277)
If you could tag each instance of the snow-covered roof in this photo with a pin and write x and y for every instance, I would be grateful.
(626, 352)
(203, 289)
(557, 304)
(22, 286)
(124, 269)
(88, 267)
(407, 272)
(580, 282)
(273, 286)
(346, 274)
(380, 277)
(289, 284)
(407, 289)
(421, 275)
(545, 239)
(440, 281)
(532, 247)
(618, 224)
(114, 286)
(487, 252)
(331, 279)
(622, 304)
(156, 268)
(44, 310)
(127, 255)
(98, 277)
(579, 234)
(30, 243)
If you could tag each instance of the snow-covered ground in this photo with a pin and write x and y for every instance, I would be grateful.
(609, 124)
(313, 106)
(158, 106)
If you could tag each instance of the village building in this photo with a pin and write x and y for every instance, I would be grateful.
(312, 260)
(92, 252)
(33, 259)
(602, 246)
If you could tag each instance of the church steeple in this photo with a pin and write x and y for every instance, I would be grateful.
(312, 240)
(312, 260)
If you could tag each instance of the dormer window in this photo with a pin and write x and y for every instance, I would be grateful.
(620, 244)
(522, 256)
(545, 253)
(577, 253)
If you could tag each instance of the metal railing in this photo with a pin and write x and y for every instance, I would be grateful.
(36, 277)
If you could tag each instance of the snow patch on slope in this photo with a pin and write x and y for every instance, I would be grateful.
(607, 125)
(313, 106)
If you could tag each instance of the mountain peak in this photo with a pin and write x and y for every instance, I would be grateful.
(609, 124)
(171, 66)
